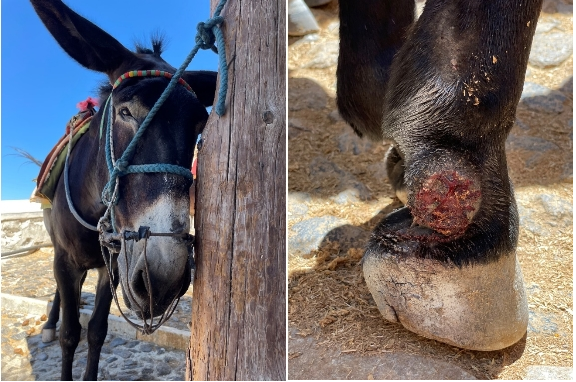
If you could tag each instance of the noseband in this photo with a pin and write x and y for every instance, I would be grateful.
(117, 168)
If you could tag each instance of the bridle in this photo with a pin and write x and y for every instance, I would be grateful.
(109, 238)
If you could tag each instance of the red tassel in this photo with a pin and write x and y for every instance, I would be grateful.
(90, 103)
(194, 164)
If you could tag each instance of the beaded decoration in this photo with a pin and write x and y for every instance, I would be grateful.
(150, 73)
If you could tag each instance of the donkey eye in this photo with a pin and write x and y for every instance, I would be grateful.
(124, 112)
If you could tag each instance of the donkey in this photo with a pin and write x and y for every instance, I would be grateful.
(444, 90)
(154, 271)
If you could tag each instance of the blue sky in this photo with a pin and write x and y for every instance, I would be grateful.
(41, 85)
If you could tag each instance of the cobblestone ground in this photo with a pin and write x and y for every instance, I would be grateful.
(338, 191)
(41, 285)
(26, 358)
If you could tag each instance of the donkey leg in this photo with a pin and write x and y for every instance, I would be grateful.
(49, 329)
(69, 281)
(98, 325)
(371, 33)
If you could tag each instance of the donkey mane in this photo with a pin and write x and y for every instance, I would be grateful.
(158, 44)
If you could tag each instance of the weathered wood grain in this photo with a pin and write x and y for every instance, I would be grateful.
(239, 307)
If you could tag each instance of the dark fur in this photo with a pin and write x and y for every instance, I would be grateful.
(169, 139)
(417, 100)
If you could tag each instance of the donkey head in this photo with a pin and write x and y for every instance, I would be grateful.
(157, 269)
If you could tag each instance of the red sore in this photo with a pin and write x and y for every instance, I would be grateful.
(446, 203)
(89, 103)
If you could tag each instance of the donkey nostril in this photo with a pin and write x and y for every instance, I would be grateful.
(139, 285)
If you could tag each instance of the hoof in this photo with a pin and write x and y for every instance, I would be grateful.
(476, 307)
(48, 335)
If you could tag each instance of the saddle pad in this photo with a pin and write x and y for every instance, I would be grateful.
(54, 163)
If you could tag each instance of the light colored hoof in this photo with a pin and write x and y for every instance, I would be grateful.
(48, 335)
(477, 307)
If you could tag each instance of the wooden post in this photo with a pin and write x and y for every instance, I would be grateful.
(238, 327)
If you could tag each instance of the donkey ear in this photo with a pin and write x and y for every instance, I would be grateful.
(89, 45)
(203, 83)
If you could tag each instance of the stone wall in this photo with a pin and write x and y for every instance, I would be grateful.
(22, 225)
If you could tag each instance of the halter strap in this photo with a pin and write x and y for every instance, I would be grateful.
(151, 73)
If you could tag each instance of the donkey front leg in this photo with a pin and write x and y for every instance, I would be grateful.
(49, 329)
(445, 265)
(98, 325)
(69, 281)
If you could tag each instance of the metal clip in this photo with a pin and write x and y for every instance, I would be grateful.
(143, 232)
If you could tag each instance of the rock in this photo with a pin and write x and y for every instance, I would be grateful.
(546, 25)
(117, 342)
(296, 211)
(43, 345)
(323, 56)
(348, 236)
(559, 208)
(542, 214)
(122, 353)
(541, 323)
(128, 376)
(567, 86)
(542, 99)
(299, 197)
(308, 39)
(550, 49)
(565, 8)
(129, 364)
(549, 373)
(163, 369)
(349, 141)
(529, 223)
(529, 143)
(296, 127)
(334, 27)
(300, 20)
(316, 3)
(42, 357)
(536, 145)
(111, 359)
(521, 125)
(321, 363)
(19, 336)
(132, 344)
(334, 116)
(567, 173)
(305, 94)
(309, 233)
(322, 168)
(145, 347)
(347, 196)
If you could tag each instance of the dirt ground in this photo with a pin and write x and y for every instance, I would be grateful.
(328, 298)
